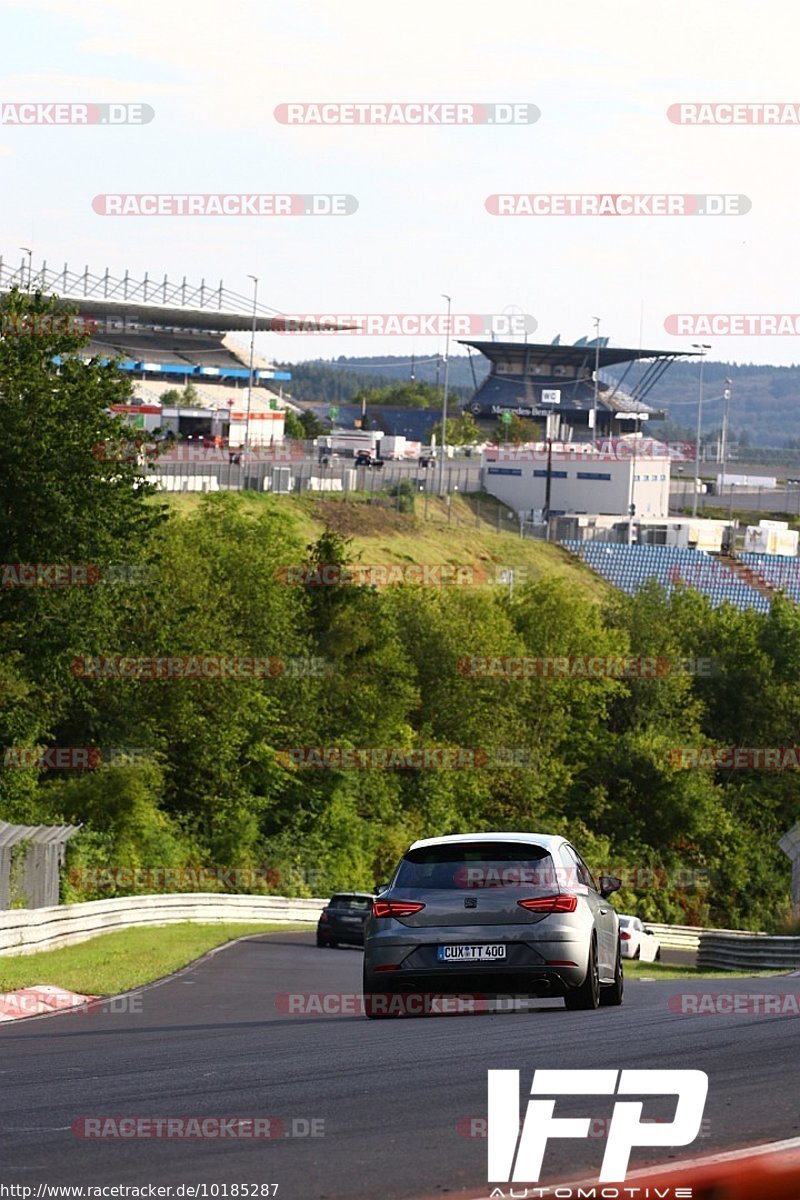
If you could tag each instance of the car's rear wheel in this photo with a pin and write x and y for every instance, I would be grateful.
(658, 955)
(588, 994)
(612, 994)
(638, 953)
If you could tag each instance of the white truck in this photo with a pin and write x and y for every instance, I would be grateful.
(350, 442)
(399, 447)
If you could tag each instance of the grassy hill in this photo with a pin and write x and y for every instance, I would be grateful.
(466, 534)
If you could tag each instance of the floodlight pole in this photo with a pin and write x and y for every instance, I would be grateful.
(596, 372)
(702, 347)
(444, 396)
(30, 264)
(724, 447)
(252, 356)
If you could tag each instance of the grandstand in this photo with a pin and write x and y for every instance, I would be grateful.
(541, 381)
(167, 335)
(630, 568)
(775, 571)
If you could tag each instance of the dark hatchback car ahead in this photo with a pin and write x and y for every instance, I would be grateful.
(343, 917)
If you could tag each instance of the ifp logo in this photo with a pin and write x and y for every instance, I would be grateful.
(516, 1148)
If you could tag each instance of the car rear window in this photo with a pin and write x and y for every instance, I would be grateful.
(477, 865)
(624, 922)
(360, 903)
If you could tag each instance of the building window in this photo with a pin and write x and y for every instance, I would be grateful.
(595, 475)
(504, 470)
(553, 475)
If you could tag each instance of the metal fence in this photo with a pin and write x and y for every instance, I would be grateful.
(308, 475)
(31, 857)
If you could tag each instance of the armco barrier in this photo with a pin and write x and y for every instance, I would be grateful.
(730, 951)
(26, 930)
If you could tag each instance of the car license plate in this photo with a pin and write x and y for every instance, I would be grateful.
(355, 919)
(489, 953)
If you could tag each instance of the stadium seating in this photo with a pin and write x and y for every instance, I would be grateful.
(630, 567)
(775, 571)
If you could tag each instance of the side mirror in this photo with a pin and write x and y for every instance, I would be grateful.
(381, 887)
(609, 884)
(647, 929)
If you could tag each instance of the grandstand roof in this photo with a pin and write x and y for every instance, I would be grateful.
(146, 301)
(576, 356)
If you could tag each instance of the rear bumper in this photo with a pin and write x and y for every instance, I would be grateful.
(491, 983)
(334, 932)
(544, 957)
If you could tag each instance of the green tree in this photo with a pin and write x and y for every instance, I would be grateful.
(518, 429)
(461, 430)
(403, 395)
(293, 427)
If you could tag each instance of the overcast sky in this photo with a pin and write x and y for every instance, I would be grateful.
(603, 75)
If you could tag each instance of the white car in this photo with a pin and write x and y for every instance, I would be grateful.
(637, 941)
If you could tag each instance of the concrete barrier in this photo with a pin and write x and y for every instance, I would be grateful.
(27, 930)
(676, 937)
(185, 483)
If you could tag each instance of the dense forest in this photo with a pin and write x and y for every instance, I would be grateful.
(248, 770)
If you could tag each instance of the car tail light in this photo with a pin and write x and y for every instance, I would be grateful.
(395, 908)
(323, 916)
(550, 904)
(624, 937)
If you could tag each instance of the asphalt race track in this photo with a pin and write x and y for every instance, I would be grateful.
(216, 1041)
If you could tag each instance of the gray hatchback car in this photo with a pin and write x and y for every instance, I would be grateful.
(495, 914)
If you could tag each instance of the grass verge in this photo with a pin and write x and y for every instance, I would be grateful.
(640, 970)
(128, 958)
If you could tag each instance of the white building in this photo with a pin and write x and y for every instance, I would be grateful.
(603, 478)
